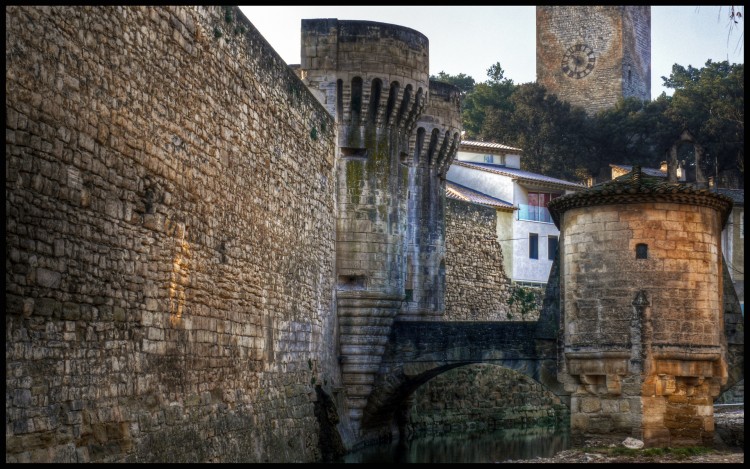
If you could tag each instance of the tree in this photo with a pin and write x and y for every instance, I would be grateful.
(463, 82)
(559, 140)
(492, 94)
(710, 104)
(632, 132)
(551, 133)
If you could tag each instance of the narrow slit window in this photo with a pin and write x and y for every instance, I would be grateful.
(551, 247)
(533, 246)
(641, 251)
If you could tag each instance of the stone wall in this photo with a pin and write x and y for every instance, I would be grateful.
(483, 397)
(169, 240)
(477, 288)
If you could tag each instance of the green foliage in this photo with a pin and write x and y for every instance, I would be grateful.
(560, 140)
(461, 81)
(314, 133)
(217, 32)
(552, 134)
(525, 298)
(494, 94)
(710, 103)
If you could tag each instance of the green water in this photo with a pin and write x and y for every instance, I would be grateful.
(496, 446)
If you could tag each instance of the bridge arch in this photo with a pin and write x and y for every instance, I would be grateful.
(419, 351)
(482, 396)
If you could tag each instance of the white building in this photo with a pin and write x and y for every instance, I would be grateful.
(525, 231)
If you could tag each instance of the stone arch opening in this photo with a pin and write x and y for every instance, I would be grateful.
(432, 149)
(418, 143)
(372, 110)
(695, 171)
(391, 104)
(388, 413)
(404, 105)
(356, 100)
(482, 397)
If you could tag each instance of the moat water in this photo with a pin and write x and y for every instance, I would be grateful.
(491, 447)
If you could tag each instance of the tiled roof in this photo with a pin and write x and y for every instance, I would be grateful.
(521, 175)
(637, 187)
(649, 171)
(459, 192)
(476, 145)
(737, 195)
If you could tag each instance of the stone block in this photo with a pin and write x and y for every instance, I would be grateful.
(590, 405)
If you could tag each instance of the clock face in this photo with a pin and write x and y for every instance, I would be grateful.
(578, 61)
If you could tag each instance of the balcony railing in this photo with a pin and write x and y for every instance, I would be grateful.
(533, 213)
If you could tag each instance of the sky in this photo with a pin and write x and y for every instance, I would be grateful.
(469, 39)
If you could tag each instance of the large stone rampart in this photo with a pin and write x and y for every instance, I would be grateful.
(169, 240)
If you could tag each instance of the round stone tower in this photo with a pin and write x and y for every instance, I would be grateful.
(374, 79)
(643, 351)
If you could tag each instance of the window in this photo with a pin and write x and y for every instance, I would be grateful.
(641, 251)
(494, 159)
(533, 246)
(551, 247)
(536, 210)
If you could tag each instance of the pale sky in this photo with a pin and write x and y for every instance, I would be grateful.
(469, 39)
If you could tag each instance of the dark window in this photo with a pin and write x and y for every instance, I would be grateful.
(551, 247)
(533, 246)
(641, 251)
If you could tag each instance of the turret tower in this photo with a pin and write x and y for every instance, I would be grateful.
(391, 162)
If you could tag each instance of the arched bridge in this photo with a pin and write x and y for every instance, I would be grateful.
(417, 351)
(420, 350)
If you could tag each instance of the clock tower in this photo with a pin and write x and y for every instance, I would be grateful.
(591, 56)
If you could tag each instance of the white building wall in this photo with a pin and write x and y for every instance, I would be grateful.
(513, 161)
(495, 185)
(505, 222)
(509, 160)
(526, 269)
(513, 234)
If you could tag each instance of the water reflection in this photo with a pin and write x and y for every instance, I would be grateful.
(497, 446)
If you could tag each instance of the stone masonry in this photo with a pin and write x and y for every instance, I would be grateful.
(614, 40)
(483, 397)
(396, 138)
(645, 353)
(477, 288)
(169, 240)
(208, 251)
